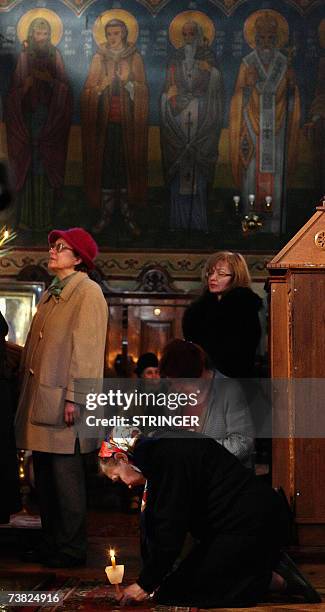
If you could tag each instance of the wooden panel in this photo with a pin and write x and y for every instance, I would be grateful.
(282, 449)
(309, 480)
(311, 535)
(308, 355)
(155, 335)
(308, 312)
(114, 341)
(279, 336)
(302, 250)
(152, 322)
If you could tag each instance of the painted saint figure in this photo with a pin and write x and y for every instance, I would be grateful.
(114, 128)
(38, 117)
(191, 121)
(264, 117)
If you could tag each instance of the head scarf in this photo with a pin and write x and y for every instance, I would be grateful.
(120, 440)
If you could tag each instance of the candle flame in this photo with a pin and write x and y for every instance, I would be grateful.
(112, 555)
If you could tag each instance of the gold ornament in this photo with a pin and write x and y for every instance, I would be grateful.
(129, 20)
(320, 239)
(40, 13)
(282, 29)
(6, 236)
(176, 27)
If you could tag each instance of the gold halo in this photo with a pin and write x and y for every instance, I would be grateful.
(321, 33)
(101, 21)
(283, 28)
(176, 27)
(42, 13)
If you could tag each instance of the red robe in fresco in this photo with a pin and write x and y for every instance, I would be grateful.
(54, 95)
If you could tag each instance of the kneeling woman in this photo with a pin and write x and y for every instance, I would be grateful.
(196, 487)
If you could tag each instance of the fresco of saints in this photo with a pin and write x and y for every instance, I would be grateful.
(264, 117)
(315, 128)
(38, 117)
(114, 126)
(191, 120)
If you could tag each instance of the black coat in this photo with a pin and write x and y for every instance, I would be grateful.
(195, 486)
(228, 329)
(9, 481)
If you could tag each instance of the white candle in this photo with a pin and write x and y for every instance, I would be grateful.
(114, 572)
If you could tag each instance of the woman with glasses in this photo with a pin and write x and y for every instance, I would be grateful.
(224, 320)
(66, 342)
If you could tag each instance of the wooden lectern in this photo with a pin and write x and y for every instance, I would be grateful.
(297, 351)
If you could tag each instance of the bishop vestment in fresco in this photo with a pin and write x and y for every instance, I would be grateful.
(191, 120)
(114, 127)
(38, 117)
(264, 117)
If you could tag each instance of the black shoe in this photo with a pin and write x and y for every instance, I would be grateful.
(64, 560)
(297, 584)
(33, 556)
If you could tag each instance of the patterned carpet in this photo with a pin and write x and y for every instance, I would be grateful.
(78, 595)
(91, 596)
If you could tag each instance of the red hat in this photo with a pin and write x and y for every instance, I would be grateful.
(182, 359)
(82, 243)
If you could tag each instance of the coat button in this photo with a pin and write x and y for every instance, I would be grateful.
(31, 371)
(41, 334)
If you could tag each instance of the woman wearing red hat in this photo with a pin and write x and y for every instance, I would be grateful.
(66, 342)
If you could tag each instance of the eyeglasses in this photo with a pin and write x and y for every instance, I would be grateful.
(59, 247)
(219, 273)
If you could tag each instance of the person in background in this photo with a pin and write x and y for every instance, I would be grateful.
(238, 525)
(224, 320)
(222, 407)
(9, 481)
(147, 366)
(123, 366)
(66, 342)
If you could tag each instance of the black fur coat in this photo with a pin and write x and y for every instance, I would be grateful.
(228, 329)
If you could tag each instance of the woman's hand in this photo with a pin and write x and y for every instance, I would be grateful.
(132, 593)
(69, 413)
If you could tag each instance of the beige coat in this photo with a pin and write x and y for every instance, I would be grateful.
(66, 341)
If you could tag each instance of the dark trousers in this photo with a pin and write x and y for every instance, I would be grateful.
(230, 570)
(60, 485)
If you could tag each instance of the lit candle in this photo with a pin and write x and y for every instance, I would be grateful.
(112, 555)
(114, 572)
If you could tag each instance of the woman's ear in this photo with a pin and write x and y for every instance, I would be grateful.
(79, 260)
(121, 457)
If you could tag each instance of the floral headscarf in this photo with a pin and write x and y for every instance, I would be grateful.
(120, 440)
